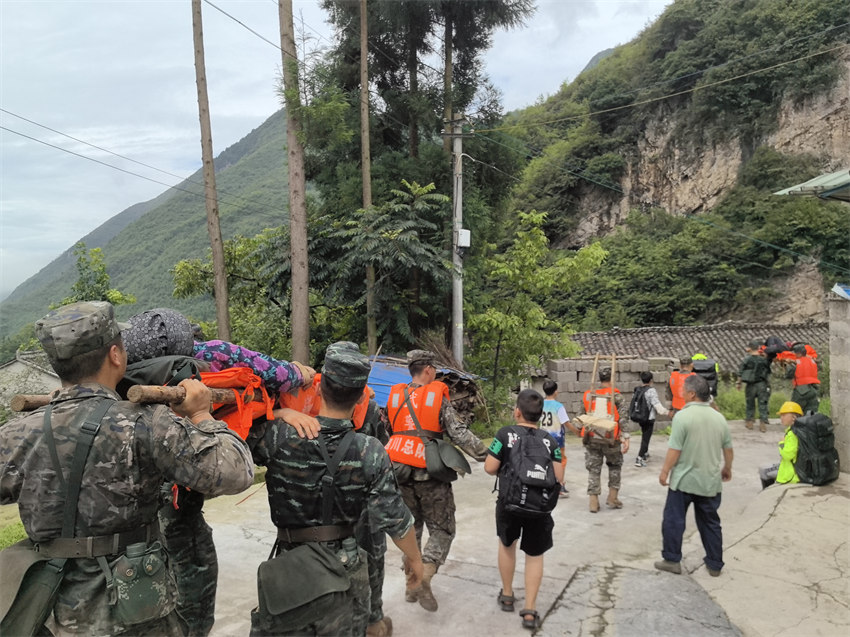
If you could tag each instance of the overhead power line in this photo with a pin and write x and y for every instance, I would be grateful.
(112, 166)
(665, 97)
(234, 197)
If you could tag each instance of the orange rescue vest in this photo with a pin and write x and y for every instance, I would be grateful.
(677, 387)
(244, 383)
(427, 401)
(307, 401)
(806, 372)
(590, 405)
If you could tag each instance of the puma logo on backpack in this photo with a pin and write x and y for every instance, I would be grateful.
(526, 481)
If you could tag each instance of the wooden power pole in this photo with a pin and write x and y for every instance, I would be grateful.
(366, 172)
(222, 314)
(300, 281)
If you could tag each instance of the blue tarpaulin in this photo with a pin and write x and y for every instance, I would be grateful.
(388, 371)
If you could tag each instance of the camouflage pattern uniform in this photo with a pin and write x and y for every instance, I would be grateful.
(184, 532)
(364, 484)
(601, 450)
(432, 502)
(136, 449)
(370, 539)
(188, 539)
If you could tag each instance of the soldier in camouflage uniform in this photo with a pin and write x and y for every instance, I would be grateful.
(184, 531)
(364, 481)
(604, 448)
(136, 449)
(374, 542)
(431, 501)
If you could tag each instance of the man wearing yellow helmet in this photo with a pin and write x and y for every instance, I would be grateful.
(783, 472)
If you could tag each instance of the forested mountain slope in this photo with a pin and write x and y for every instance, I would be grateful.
(143, 243)
(665, 152)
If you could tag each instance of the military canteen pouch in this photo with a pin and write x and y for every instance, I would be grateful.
(299, 585)
(29, 587)
(141, 582)
(443, 461)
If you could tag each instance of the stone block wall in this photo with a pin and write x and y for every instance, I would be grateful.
(575, 376)
(839, 375)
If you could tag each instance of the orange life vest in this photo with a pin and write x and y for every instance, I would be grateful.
(307, 401)
(589, 401)
(677, 387)
(244, 383)
(806, 372)
(427, 401)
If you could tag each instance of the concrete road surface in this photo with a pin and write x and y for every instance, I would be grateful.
(786, 552)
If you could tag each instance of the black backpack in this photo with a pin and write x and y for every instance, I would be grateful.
(162, 370)
(526, 481)
(707, 368)
(817, 458)
(639, 408)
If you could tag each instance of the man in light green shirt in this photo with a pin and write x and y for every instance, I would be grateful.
(698, 461)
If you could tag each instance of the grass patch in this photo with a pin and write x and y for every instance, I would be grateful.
(11, 533)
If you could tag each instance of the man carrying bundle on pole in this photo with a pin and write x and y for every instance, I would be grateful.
(602, 437)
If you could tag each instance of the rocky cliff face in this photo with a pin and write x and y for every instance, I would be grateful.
(685, 180)
(688, 180)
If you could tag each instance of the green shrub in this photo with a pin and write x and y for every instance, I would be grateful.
(12, 533)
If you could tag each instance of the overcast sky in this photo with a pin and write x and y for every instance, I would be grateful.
(120, 75)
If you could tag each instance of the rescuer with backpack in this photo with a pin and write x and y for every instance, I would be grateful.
(755, 372)
(604, 446)
(642, 410)
(421, 414)
(527, 461)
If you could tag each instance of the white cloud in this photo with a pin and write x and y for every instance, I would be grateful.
(121, 75)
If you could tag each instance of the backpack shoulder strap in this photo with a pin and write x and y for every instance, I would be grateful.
(328, 494)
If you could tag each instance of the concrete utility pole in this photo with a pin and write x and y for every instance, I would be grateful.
(460, 238)
(222, 314)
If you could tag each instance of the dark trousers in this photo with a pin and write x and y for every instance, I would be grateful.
(646, 429)
(708, 524)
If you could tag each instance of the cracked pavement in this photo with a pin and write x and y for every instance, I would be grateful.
(787, 554)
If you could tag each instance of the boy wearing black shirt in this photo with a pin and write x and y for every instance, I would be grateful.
(536, 532)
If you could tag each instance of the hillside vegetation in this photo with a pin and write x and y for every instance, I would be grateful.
(253, 195)
(707, 73)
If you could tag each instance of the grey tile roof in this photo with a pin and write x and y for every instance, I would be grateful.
(723, 342)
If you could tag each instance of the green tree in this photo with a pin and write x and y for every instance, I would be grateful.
(509, 328)
(402, 240)
(92, 283)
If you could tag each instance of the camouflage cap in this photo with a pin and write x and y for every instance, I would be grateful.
(346, 365)
(754, 344)
(685, 361)
(78, 328)
(421, 357)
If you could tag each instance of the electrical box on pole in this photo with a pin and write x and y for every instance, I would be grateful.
(460, 236)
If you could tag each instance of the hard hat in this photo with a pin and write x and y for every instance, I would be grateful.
(790, 407)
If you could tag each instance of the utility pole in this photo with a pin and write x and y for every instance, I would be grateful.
(366, 171)
(300, 279)
(460, 237)
(222, 314)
